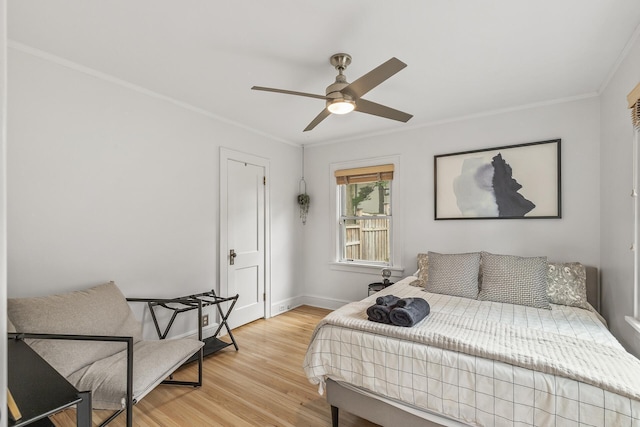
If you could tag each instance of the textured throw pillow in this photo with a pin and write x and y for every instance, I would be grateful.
(567, 284)
(423, 271)
(454, 274)
(514, 280)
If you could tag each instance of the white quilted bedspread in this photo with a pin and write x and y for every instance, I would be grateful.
(484, 363)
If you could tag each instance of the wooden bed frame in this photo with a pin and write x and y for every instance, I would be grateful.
(375, 409)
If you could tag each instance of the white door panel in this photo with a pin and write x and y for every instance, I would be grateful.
(245, 286)
(242, 224)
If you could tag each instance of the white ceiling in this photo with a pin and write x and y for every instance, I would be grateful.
(464, 57)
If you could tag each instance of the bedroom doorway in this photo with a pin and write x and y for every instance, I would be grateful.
(243, 234)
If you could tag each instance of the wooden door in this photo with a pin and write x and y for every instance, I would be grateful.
(242, 243)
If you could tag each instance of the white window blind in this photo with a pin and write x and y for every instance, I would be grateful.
(366, 174)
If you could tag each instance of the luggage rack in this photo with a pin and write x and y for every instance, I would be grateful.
(196, 302)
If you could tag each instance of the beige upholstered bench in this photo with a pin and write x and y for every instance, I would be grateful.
(100, 364)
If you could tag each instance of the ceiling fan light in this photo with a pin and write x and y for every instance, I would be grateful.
(341, 106)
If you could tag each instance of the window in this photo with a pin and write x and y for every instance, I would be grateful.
(365, 221)
(365, 215)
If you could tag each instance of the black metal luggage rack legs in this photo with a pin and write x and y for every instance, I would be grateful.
(197, 302)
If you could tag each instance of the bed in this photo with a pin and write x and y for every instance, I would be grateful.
(480, 361)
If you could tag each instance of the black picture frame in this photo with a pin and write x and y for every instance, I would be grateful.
(521, 181)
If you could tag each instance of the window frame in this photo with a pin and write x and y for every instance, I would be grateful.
(395, 234)
(341, 232)
(634, 320)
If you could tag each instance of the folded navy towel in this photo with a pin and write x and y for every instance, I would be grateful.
(380, 313)
(387, 300)
(409, 311)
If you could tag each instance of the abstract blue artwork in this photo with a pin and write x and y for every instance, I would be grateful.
(515, 181)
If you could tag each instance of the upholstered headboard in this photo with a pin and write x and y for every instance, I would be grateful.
(593, 287)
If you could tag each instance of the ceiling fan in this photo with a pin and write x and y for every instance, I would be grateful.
(343, 97)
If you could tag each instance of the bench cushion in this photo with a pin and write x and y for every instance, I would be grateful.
(153, 361)
(101, 310)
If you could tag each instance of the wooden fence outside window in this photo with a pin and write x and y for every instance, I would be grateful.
(367, 239)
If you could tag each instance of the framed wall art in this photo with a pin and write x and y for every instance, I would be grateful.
(511, 182)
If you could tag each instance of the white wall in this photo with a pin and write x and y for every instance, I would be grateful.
(108, 183)
(574, 237)
(3, 210)
(617, 205)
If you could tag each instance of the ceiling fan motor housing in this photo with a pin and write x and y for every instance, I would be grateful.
(333, 90)
(340, 61)
(340, 103)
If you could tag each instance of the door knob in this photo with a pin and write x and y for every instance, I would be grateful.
(232, 257)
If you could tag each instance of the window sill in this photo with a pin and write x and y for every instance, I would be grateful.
(353, 267)
(635, 323)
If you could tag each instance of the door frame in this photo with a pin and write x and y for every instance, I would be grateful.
(227, 154)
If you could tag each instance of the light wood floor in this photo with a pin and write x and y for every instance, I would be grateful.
(262, 384)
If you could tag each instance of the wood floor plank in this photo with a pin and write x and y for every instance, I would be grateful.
(262, 384)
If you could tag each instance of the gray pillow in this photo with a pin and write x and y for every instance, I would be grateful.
(514, 280)
(101, 310)
(567, 284)
(453, 274)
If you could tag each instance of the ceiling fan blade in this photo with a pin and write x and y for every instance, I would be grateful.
(373, 78)
(320, 117)
(364, 106)
(289, 92)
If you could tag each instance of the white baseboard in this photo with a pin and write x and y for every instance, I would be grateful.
(285, 305)
(323, 302)
(314, 301)
(207, 332)
(277, 308)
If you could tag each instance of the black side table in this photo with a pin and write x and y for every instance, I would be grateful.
(39, 390)
(378, 286)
